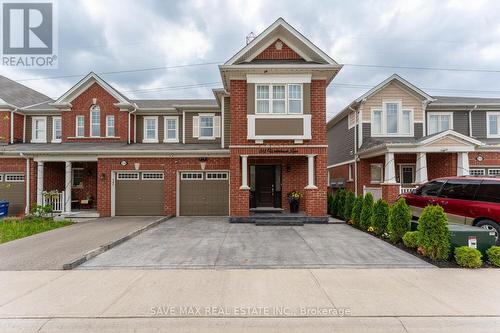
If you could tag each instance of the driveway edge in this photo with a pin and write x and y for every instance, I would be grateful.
(103, 248)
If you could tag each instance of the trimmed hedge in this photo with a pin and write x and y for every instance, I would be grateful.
(434, 236)
(410, 239)
(341, 203)
(329, 203)
(468, 257)
(380, 216)
(399, 220)
(356, 211)
(366, 211)
(494, 255)
(349, 203)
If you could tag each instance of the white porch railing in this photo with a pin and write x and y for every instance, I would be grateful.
(375, 191)
(406, 189)
(57, 202)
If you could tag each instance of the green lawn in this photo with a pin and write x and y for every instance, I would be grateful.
(15, 229)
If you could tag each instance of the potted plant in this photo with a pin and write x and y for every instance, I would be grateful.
(294, 201)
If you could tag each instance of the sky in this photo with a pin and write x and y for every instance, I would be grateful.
(458, 39)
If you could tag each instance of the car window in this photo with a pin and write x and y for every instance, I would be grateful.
(460, 189)
(431, 188)
(489, 191)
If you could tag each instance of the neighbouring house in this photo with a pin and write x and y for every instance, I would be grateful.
(262, 136)
(396, 136)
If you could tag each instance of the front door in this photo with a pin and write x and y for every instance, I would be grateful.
(407, 174)
(264, 185)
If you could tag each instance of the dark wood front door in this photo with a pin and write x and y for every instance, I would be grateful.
(264, 185)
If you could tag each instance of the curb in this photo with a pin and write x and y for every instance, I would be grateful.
(103, 248)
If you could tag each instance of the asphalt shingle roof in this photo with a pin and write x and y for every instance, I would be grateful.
(19, 95)
(171, 103)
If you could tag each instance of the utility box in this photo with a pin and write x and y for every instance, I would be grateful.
(466, 235)
(4, 209)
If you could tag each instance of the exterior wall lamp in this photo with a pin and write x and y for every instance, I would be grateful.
(203, 162)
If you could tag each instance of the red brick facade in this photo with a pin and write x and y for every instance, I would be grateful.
(272, 53)
(4, 126)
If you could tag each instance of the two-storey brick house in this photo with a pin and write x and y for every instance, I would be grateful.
(262, 136)
(396, 136)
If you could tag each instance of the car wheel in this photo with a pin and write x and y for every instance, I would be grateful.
(490, 226)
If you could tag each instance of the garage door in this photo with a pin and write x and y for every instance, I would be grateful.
(12, 189)
(204, 193)
(139, 193)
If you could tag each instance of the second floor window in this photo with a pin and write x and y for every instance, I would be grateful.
(39, 126)
(278, 98)
(150, 129)
(56, 129)
(392, 120)
(206, 127)
(110, 126)
(80, 126)
(95, 121)
(438, 122)
(493, 124)
(171, 125)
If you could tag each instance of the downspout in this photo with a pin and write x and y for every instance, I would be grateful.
(128, 124)
(355, 151)
(470, 120)
(12, 126)
(27, 207)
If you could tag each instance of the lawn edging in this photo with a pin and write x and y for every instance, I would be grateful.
(103, 248)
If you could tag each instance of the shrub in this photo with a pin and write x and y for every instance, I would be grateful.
(329, 203)
(349, 203)
(399, 220)
(335, 204)
(410, 239)
(380, 216)
(366, 211)
(341, 203)
(468, 257)
(356, 211)
(494, 255)
(434, 236)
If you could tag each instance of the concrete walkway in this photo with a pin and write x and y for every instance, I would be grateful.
(374, 300)
(213, 242)
(53, 249)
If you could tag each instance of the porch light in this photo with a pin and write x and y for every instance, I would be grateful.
(137, 166)
(479, 158)
(203, 162)
(103, 176)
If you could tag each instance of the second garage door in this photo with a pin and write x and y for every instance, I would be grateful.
(204, 193)
(139, 193)
(12, 189)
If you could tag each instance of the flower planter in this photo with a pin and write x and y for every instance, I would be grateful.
(294, 206)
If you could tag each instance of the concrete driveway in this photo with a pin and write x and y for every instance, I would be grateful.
(52, 249)
(215, 243)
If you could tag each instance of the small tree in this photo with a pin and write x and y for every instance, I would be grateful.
(366, 211)
(329, 203)
(380, 217)
(335, 204)
(434, 236)
(399, 220)
(356, 211)
(341, 203)
(349, 203)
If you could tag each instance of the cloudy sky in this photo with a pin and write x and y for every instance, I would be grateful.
(371, 38)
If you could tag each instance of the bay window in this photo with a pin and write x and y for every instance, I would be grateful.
(56, 129)
(278, 98)
(391, 120)
(150, 129)
(439, 122)
(95, 121)
(493, 124)
(39, 125)
(171, 129)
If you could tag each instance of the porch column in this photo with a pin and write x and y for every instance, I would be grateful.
(421, 172)
(67, 187)
(244, 173)
(310, 173)
(390, 169)
(463, 164)
(39, 183)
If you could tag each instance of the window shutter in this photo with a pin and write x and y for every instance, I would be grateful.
(196, 126)
(217, 126)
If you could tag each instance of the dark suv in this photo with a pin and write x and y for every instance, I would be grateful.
(466, 200)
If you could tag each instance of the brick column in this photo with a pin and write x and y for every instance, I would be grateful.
(390, 192)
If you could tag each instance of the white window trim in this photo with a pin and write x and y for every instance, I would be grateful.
(16, 176)
(402, 165)
(33, 130)
(114, 126)
(381, 165)
(54, 140)
(349, 172)
(225, 175)
(184, 175)
(286, 98)
(206, 115)
(124, 175)
(488, 135)
(76, 126)
(151, 175)
(92, 124)
(1, 177)
(73, 178)
(490, 173)
(165, 129)
(483, 172)
(400, 120)
(429, 114)
(144, 138)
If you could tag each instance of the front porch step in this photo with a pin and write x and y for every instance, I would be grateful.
(279, 219)
(279, 222)
(264, 210)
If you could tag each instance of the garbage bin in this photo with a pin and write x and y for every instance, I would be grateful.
(4, 209)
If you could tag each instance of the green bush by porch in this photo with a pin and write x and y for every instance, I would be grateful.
(399, 220)
(380, 216)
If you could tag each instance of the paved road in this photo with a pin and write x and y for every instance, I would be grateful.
(276, 300)
(202, 242)
(52, 249)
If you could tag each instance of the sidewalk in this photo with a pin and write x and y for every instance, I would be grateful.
(371, 300)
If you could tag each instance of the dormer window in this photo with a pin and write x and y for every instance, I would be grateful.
(278, 98)
(95, 121)
(392, 120)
